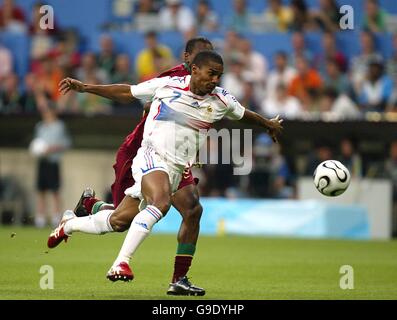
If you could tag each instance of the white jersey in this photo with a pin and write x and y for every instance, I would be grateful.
(177, 124)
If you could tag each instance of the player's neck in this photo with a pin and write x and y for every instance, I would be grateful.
(195, 90)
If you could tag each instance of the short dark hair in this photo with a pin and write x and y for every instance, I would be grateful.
(191, 43)
(205, 56)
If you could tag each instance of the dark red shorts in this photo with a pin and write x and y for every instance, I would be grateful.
(122, 167)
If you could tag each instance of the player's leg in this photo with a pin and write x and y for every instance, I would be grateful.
(156, 191)
(103, 222)
(186, 201)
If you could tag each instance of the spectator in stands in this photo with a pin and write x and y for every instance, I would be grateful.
(49, 76)
(328, 16)
(281, 103)
(374, 18)
(231, 46)
(207, 19)
(321, 153)
(334, 78)
(330, 51)
(359, 65)
(255, 62)
(239, 20)
(90, 70)
(337, 107)
(122, 72)
(89, 104)
(249, 99)
(300, 20)
(6, 62)
(154, 59)
(55, 138)
(270, 175)
(28, 99)
(299, 48)
(146, 15)
(282, 74)
(106, 58)
(66, 52)
(234, 79)
(176, 16)
(377, 90)
(350, 158)
(306, 83)
(10, 95)
(12, 18)
(280, 175)
(279, 15)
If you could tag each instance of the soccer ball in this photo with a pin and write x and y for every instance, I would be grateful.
(331, 178)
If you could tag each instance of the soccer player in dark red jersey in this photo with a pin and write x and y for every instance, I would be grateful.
(185, 200)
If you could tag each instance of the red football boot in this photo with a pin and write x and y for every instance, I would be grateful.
(121, 272)
(58, 235)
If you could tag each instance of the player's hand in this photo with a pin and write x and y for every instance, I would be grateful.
(274, 127)
(68, 84)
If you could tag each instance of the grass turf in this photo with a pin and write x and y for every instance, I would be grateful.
(230, 267)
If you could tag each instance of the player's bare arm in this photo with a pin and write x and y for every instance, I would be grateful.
(272, 126)
(116, 92)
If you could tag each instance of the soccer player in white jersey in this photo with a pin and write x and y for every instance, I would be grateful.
(181, 111)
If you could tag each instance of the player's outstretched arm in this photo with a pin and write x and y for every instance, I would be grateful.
(272, 126)
(116, 92)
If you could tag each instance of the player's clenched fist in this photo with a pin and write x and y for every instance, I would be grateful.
(68, 84)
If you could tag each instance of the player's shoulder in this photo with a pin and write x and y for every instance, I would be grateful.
(178, 82)
(224, 95)
(177, 71)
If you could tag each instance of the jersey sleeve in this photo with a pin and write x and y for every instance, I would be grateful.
(235, 111)
(146, 90)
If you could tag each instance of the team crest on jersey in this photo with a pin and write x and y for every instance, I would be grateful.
(209, 108)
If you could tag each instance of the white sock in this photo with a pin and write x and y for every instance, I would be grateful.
(138, 231)
(96, 224)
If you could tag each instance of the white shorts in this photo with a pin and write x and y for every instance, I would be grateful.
(146, 161)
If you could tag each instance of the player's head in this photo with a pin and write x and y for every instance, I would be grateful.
(194, 46)
(207, 69)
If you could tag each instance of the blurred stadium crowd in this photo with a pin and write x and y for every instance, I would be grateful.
(308, 68)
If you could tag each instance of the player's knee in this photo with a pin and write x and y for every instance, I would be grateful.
(162, 203)
(118, 224)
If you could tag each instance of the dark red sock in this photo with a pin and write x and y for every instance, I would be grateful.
(88, 203)
(181, 267)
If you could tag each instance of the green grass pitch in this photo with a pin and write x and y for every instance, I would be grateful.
(229, 267)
